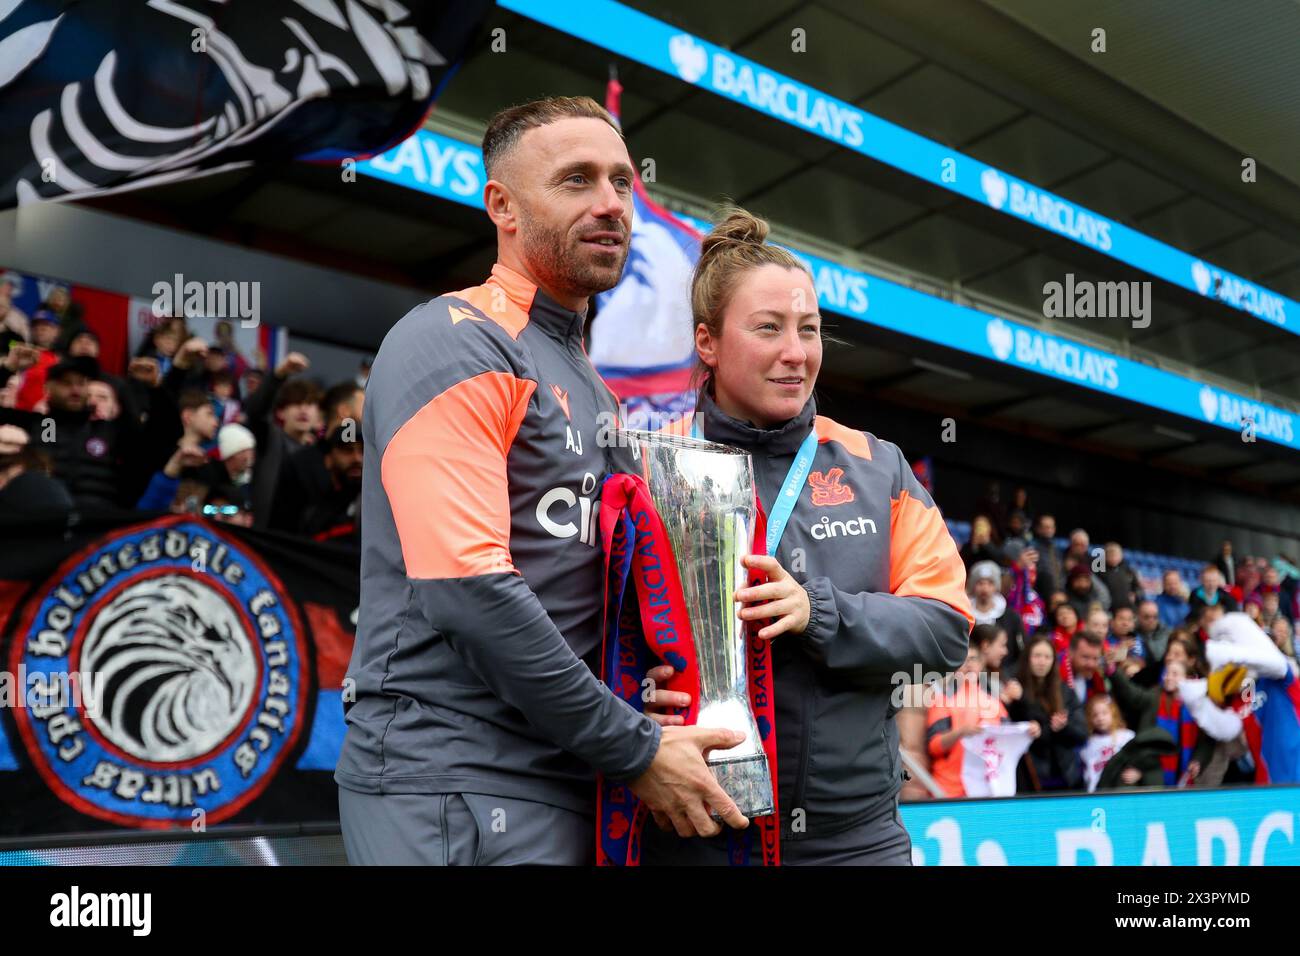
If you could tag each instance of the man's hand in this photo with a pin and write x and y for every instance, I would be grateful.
(949, 739)
(784, 599)
(293, 364)
(12, 439)
(194, 348)
(1130, 775)
(21, 357)
(187, 455)
(145, 370)
(680, 786)
(660, 701)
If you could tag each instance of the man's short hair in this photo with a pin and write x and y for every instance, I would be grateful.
(192, 398)
(506, 126)
(1083, 637)
(297, 391)
(337, 395)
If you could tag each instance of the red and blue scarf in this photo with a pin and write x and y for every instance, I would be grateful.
(648, 625)
(1172, 716)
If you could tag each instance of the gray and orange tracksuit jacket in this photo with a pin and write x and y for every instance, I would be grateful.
(481, 566)
(887, 592)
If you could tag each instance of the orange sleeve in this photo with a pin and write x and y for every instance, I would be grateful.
(936, 715)
(445, 475)
(923, 560)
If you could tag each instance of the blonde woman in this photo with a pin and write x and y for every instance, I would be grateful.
(864, 584)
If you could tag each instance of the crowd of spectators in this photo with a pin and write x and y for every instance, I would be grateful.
(193, 427)
(1112, 681)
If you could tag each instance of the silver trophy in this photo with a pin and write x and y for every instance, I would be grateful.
(704, 493)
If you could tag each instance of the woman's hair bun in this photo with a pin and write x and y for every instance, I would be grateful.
(737, 225)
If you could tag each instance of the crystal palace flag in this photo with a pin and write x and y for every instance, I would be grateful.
(101, 96)
(642, 339)
(161, 670)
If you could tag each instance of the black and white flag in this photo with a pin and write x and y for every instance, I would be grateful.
(103, 96)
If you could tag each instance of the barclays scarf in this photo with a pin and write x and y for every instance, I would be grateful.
(646, 625)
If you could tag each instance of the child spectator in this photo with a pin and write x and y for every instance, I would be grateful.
(1108, 735)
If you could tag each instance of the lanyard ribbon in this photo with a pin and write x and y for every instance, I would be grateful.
(650, 628)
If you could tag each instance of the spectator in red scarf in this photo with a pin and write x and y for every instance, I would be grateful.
(1081, 667)
(45, 334)
(1065, 621)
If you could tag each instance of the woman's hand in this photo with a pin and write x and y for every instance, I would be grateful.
(658, 701)
(1059, 720)
(1012, 691)
(1035, 729)
(782, 597)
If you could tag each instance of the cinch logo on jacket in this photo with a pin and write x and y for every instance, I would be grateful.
(828, 490)
(563, 514)
(827, 528)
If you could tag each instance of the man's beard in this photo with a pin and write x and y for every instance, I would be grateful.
(554, 262)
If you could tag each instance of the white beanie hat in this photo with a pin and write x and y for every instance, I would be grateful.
(983, 569)
(234, 438)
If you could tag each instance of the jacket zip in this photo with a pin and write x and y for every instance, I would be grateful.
(805, 748)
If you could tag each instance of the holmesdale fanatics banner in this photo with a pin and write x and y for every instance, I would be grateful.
(169, 672)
